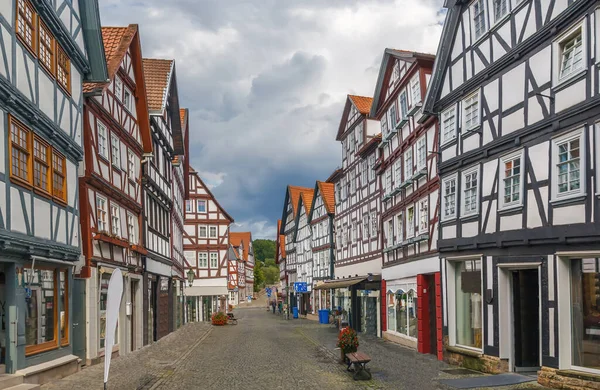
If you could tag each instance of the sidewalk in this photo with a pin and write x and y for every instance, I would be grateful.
(141, 369)
(393, 366)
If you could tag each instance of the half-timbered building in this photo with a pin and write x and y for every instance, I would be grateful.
(409, 205)
(116, 133)
(233, 260)
(206, 245)
(287, 229)
(515, 86)
(242, 243)
(47, 51)
(280, 259)
(357, 215)
(157, 198)
(304, 257)
(321, 222)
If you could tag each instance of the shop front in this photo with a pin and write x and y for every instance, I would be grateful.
(203, 301)
(158, 300)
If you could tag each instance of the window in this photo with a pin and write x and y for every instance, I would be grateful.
(408, 164)
(115, 146)
(500, 9)
(384, 124)
(449, 125)
(478, 14)
(131, 228)
(59, 175)
(571, 59)
(338, 191)
(510, 180)
(202, 231)
(421, 153)
(568, 155)
(213, 232)
(390, 234)
(449, 201)
(398, 172)
(388, 181)
(410, 222)
(374, 223)
(188, 206)
(20, 145)
(127, 100)
(471, 111)
(403, 104)
(399, 228)
(468, 303)
(371, 167)
(364, 172)
(63, 69)
(104, 280)
(214, 260)
(102, 140)
(118, 88)
(46, 48)
(415, 90)
(115, 221)
(41, 165)
(366, 225)
(131, 165)
(41, 310)
(354, 233)
(64, 307)
(392, 114)
(359, 135)
(402, 307)
(203, 260)
(100, 213)
(25, 27)
(423, 216)
(201, 206)
(470, 203)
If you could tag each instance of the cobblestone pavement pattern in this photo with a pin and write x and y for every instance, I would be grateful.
(264, 351)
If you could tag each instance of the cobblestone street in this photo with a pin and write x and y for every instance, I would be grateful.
(262, 351)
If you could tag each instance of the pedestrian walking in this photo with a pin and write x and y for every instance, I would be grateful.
(273, 305)
(280, 307)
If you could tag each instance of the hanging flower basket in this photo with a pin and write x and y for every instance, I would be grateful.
(219, 319)
(347, 342)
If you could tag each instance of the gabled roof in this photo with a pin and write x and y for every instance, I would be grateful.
(305, 201)
(327, 191)
(362, 104)
(197, 175)
(334, 176)
(292, 195)
(237, 238)
(370, 145)
(279, 244)
(92, 38)
(385, 70)
(116, 42)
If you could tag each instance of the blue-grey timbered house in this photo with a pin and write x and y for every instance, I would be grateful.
(516, 90)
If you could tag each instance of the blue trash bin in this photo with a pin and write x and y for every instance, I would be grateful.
(295, 312)
(323, 316)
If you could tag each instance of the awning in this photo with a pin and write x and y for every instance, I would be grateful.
(340, 283)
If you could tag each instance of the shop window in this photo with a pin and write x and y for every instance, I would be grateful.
(104, 279)
(64, 307)
(468, 304)
(391, 312)
(585, 313)
(41, 327)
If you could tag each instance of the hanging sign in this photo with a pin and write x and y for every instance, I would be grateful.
(113, 304)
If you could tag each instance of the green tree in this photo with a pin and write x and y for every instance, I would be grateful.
(264, 249)
(271, 275)
(270, 263)
(259, 277)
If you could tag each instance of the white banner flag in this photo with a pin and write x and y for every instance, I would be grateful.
(113, 304)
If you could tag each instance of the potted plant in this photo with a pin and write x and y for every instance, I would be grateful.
(219, 319)
(347, 342)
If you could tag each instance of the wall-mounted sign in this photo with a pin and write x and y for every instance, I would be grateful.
(164, 284)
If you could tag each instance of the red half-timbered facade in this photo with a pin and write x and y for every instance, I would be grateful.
(206, 246)
(410, 199)
(116, 137)
(242, 244)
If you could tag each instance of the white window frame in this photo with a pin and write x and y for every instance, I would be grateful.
(127, 102)
(115, 151)
(567, 137)
(397, 168)
(449, 132)
(371, 167)
(101, 223)
(366, 225)
(131, 164)
(518, 155)
(445, 182)
(374, 223)
(390, 233)
(403, 108)
(364, 172)
(399, 227)
(423, 219)
(466, 103)
(210, 231)
(483, 14)
(119, 88)
(131, 236)
(558, 51)
(500, 5)
(214, 256)
(463, 211)
(188, 206)
(202, 260)
(205, 235)
(421, 147)
(393, 121)
(198, 203)
(102, 133)
(408, 168)
(388, 181)
(410, 227)
(115, 219)
(415, 90)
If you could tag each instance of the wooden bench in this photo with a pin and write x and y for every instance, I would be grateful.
(231, 319)
(359, 360)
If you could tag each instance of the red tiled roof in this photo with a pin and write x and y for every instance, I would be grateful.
(327, 191)
(182, 116)
(412, 53)
(295, 196)
(116, 41)
(362, 103)
(157, 73)
(236, 239)
(307, 200)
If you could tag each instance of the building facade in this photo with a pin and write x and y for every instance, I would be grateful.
(43, 64)
(116, 134)
(410, 192)
(242, 244)
(167, 142)
(516, 89)
(206, 246)
(304, 256)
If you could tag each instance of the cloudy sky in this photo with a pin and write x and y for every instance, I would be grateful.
(266, 81)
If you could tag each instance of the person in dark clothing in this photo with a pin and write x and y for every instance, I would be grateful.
(273, 306)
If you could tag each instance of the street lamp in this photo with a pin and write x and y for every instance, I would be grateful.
(190, 277)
